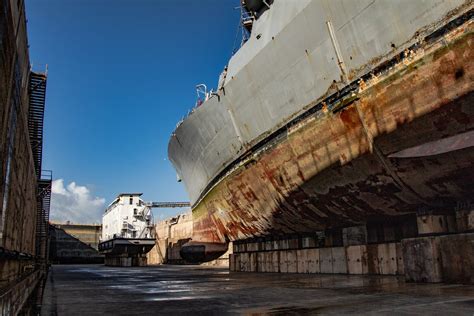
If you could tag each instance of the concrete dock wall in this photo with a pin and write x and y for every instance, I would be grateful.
(89, 234)
(439, 248)
(171, 235)
(74, 243)
(448, 258)
(379, 259)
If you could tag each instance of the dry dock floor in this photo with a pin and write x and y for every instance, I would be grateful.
(158, 290)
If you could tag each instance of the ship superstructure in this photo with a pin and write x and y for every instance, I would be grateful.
(127, 231)
(128, 216)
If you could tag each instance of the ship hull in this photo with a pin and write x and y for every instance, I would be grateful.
(402, 144)
(126, 246)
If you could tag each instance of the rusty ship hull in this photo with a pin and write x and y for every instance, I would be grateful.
(375, 157)
(394, 142)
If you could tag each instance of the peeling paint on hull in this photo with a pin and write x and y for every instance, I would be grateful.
(341, 168)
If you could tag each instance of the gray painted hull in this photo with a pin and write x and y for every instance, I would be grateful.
(294, 60)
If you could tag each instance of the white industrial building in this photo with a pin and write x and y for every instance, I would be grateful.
(128, 216)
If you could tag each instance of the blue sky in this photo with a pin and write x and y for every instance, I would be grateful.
(121, 74)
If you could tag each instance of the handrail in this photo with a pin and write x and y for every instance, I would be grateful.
(46, 174)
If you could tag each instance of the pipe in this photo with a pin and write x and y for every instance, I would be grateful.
(335, 44)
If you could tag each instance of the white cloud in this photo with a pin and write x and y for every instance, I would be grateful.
(74, 203)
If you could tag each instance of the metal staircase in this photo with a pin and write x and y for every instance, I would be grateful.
(37, 94)
(37, 98)
(43, 199)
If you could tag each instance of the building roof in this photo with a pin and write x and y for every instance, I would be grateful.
(128, 194)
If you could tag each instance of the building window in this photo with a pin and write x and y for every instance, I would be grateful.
(131, 200)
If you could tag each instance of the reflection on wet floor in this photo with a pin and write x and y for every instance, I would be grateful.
(96, 289)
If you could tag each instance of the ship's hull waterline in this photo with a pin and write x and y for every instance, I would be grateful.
(403, 142)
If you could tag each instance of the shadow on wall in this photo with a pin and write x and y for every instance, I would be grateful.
(65, 248)
(172, 251)
(166, 251)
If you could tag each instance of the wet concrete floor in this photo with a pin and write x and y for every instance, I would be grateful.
(100, 290)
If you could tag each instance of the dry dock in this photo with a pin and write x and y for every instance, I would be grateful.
(100, 290)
